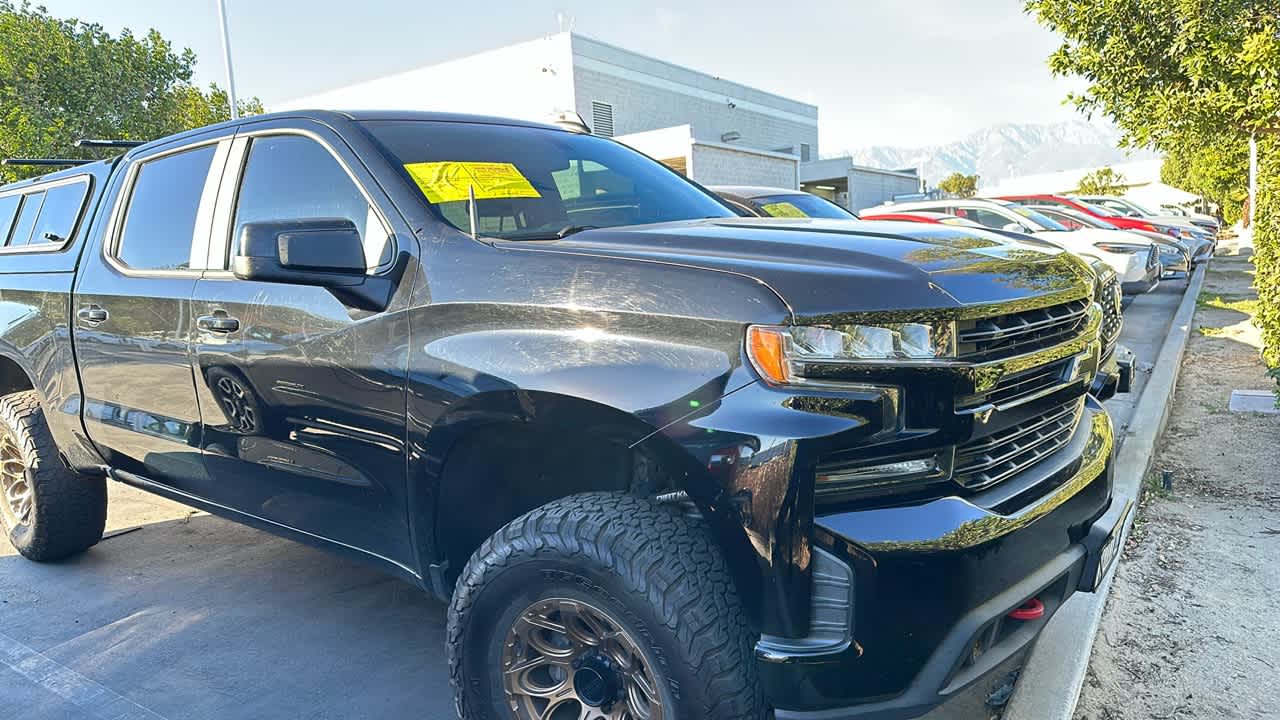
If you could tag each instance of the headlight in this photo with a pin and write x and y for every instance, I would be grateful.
(1122, 247)
(782, 353)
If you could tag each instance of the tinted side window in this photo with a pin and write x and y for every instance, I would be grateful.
(59, 214)
(161, 217)
(26, 222)
(986, 217)
(8, 211)
(291, 177)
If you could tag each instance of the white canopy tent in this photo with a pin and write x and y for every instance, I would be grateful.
(1153, 195)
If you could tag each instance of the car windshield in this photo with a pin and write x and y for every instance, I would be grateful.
(802, 205)
(536, 183)
(1044, 221)
(1100, 211)
(1140, 208)
(1069, 214)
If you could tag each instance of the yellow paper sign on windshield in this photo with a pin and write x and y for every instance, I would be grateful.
(783, 209)
(451, 181)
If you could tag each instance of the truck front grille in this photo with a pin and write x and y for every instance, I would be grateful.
(1112, 316)
(1013, 389)
(998, 457)
(1004, 336)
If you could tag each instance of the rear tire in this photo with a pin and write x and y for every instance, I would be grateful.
(647, 583)
(48, 512)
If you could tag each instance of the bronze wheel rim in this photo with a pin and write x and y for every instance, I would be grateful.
(237, 406)
(568, 660)
(14, 482)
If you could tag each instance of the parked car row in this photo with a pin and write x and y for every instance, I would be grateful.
(663, 456)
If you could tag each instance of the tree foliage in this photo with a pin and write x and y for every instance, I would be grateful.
(63, 79)
(1216, 168)
(1103, 181)
(1162, 68)
(959, 185)
(1266, 241)
(1193, 78)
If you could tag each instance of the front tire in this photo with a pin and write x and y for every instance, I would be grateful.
(601, 606)
(48, 512)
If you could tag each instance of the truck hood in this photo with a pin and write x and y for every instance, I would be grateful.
(829, 268)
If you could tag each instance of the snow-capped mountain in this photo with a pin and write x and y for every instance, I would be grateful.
(1008, 150)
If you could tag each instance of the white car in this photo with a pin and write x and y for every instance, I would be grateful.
(1135, 259)
(1129, 208)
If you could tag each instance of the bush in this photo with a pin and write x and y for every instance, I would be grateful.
(1266, 242)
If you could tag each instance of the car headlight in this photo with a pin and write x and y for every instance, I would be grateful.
(1122, 247)
(782, 353)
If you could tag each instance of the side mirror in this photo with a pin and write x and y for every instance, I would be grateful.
(320, 252)
(1014, 227)
(323, 252)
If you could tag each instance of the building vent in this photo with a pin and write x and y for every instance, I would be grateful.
(601, 119)
(804, 152)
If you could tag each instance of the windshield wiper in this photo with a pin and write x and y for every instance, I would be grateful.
(560, 234)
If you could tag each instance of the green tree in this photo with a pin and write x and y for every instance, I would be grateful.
(959, 185)
(1176, 74)
(1216, 168)
(63, 79)
(1103, 181)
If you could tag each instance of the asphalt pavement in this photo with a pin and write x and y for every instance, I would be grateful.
(191, 616)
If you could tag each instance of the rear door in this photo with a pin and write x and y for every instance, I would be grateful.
(302, 394)
(132, 306)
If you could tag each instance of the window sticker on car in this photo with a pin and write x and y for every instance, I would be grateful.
(451, 181)
(783, 209)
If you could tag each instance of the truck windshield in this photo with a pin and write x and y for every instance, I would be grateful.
(536, 183)
(802, 205)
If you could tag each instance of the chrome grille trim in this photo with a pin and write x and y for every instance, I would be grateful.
(993, 459)
(1013, 390)
(1001, 336)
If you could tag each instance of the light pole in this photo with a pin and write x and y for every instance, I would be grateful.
(226, 56)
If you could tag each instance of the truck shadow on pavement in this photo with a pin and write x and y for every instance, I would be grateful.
(204, 618)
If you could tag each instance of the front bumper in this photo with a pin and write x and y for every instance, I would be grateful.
(933, 584)
(1149, 280)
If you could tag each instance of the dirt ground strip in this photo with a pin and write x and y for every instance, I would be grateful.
(1192, 627)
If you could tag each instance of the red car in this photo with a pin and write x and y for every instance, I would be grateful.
(922, 216)
(1120, 221)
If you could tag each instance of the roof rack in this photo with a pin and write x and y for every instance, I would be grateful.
(44, 162)
(88, 143)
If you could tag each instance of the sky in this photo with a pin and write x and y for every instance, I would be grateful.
(882, 72)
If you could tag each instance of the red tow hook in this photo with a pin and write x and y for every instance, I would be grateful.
(1032, 609)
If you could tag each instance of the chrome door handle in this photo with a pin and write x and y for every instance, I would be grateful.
(92, 315)
(218, 323)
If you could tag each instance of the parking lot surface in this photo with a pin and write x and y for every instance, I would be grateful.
(192, 616)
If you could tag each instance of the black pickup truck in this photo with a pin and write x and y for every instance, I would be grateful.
(662, 461)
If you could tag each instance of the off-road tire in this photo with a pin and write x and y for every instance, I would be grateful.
(68, 510)
(657, 571)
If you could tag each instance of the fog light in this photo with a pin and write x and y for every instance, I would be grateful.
(905, 467)
(846, 480)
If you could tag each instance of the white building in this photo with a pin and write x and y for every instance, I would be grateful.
(856, 187)
(713, 130)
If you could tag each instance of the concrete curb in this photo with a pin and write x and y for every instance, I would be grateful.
(1049, 685)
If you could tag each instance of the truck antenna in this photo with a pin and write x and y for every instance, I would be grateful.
(44, 162)
(124, 144)
(471, 193)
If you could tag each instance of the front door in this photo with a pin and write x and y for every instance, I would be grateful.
(303, 395)
(132, 307)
